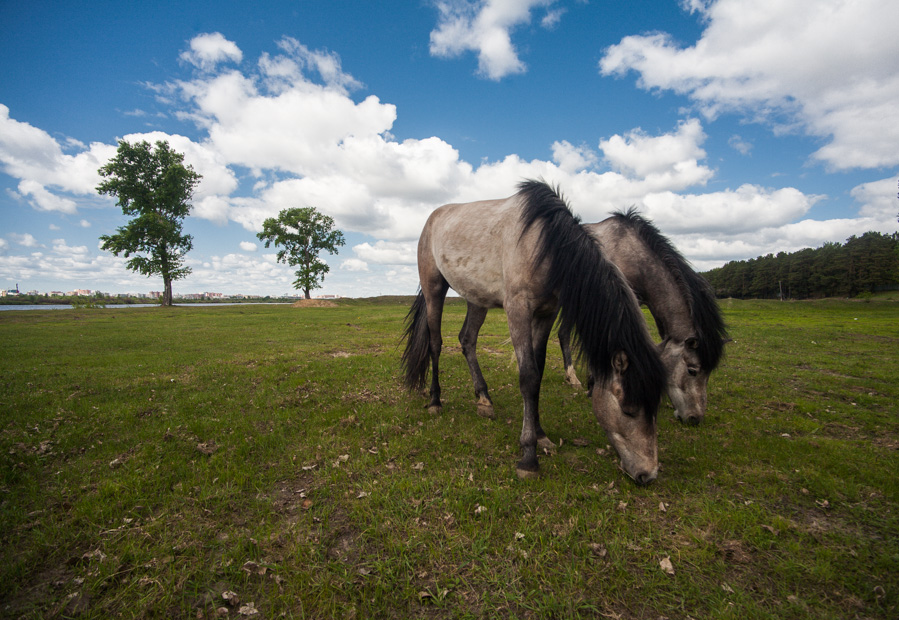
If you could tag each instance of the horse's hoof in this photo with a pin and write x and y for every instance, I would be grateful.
(435, 409)
(547, 444)
(571, 378)
(486, 411)
(527, 474)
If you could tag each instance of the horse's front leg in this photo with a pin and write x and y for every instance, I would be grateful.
(541, 328)
(529, 375)
(565, 345)
(468, 338)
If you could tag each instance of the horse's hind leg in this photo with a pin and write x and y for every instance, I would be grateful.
(468, 338)
(435, 295)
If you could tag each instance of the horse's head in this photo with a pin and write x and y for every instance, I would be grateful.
(688, 381)
(630, 429)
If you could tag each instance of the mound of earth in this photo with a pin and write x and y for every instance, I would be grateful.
(314, 303)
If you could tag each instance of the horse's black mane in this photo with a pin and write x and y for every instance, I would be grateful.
(707, 320)
(597, 305)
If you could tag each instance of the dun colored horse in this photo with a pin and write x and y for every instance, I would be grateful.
(530, 256)
(680, 300)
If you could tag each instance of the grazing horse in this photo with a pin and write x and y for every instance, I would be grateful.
(680, 300)
(529, 255)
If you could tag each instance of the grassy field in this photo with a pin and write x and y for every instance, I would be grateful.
(263, 461)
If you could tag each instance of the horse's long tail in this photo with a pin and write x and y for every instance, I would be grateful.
(597, 306)
(417, 354)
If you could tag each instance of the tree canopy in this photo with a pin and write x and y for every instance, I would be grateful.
(862, 265)
(302, 233)
(153, 185)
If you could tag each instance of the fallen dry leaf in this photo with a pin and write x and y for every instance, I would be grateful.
(580, 442)
(254, 569)
(248, 610)
(666, 565)
(599, 549)
(207, 447)
(231, 598)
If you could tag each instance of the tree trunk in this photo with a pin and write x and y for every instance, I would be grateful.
(167, 293)
(306, 291)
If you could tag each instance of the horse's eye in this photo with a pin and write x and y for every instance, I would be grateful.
(630, 412)
(692, 371)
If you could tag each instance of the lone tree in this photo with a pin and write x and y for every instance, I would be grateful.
(155, 186)
(302, 233)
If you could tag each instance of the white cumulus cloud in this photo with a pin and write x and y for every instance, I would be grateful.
(388, 253)
(354, 264)
(827, 66)
(208, 50)
(485, 27)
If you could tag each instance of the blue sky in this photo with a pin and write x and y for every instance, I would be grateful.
(739, 128)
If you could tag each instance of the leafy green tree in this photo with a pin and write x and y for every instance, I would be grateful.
(302, 233)
(154, 186)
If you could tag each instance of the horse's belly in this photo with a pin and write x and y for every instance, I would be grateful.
(475, 280)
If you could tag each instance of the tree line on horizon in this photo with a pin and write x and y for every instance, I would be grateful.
(861, 266)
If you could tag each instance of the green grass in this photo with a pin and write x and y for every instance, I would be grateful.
(153, 459)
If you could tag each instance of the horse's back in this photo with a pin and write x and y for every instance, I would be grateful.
(624, 248)
(464, 242)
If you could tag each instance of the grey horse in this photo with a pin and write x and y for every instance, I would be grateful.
(529, 255)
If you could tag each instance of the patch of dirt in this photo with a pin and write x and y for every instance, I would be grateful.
(314, 303)
(291, 498)
(733, 551)
(365, 395)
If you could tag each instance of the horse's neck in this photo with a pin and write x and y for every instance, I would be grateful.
(648, 276)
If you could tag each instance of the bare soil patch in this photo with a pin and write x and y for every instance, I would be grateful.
(314, 303)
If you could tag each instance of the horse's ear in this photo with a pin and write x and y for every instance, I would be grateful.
(619, 361)
(692, 343)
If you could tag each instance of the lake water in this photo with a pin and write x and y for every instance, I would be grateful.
(69, 306)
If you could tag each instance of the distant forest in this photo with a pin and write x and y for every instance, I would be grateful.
(861, 266)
